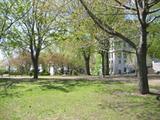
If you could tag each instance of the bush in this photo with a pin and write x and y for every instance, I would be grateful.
(44, 73)
(15, 73)
(2, 71)
(74, 72)
(30, 73)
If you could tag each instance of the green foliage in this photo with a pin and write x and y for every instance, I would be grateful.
(154, 40)
(44, 73)
(15, 73)
(2, 71)
(11, 12)
(154, 49)
(97, 66)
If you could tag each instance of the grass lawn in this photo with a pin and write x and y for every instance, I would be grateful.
(77, 100)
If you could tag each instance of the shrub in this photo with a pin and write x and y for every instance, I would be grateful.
(44, 73)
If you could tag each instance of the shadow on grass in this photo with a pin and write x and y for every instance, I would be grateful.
(153, 93)
(61, 85)
(70, 85)
(9, 94)
(51, 86)
(78, 82)
(7, 86)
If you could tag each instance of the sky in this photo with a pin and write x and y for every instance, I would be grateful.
(1, 55)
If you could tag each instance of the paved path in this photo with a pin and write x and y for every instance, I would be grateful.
(154, 78)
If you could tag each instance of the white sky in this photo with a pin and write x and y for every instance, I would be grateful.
(1, 55)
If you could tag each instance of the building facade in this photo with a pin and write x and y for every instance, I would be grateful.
(121, 58)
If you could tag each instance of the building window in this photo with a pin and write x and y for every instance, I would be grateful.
(125, 69)
(111, 55)
(124, 55)
(125, 61)
(118, 44)
(119, 55)
(119, 71)
(111, 70)
(110, 62)
(119, 61)
(112, 45)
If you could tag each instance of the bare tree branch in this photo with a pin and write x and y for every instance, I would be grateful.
(106, 27)
(153, 3)
(155, 18)
(154, 11)
(138, 11)
(125, 6)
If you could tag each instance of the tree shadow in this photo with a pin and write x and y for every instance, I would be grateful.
(64, 85)
(8, 94)
(70, 85)
(153, 93)
(53, 87)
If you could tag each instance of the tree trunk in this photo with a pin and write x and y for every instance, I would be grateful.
(9, 70)
(142, 62)
(86, 56)
(36, 70)
(105, 63)
(35, 61)
(87, 65)
(62, 69)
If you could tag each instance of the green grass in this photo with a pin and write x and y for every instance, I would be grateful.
(77, 100)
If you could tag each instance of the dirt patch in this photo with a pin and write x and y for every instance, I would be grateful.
(154, 82)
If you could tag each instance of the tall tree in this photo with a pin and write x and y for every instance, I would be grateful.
(38, 29)
(103, 46)
(146, 11)
(83, 35)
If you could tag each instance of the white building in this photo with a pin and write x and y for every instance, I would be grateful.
(52, 70)
(119, 58)
(156, 66)
(39, 67)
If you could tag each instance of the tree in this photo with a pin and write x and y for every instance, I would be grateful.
(103, 46)
(83, 48)
(82, 36)
(38, 29)
(146, 12)
(86, 52)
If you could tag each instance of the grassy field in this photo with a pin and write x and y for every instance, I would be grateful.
(77, 100)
